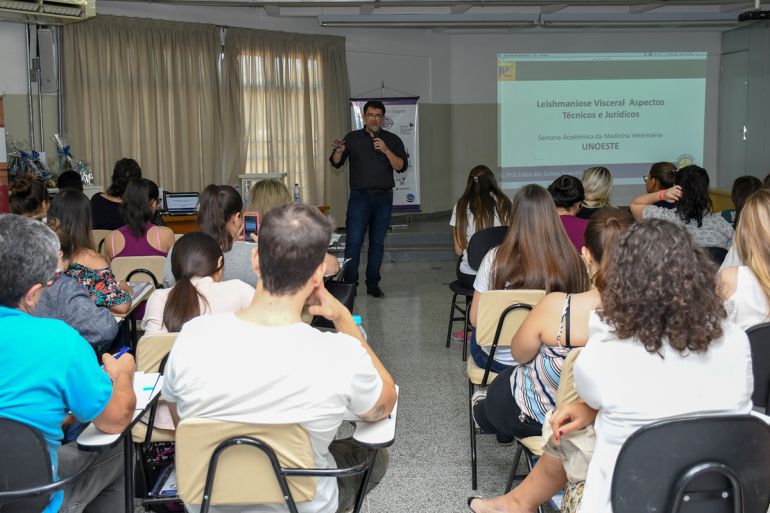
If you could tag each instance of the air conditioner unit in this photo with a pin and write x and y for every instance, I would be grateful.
(47, 12)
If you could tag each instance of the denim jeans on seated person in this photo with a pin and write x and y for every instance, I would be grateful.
(481, 358)
(367, 209)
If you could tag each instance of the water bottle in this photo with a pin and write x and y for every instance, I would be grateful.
(297, 194)
(357, 320)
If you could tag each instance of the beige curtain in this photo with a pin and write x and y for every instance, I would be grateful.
(148, 90)
(287, 99)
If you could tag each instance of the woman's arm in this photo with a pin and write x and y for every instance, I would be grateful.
(544, 317)
(728, 282)
(640, 203)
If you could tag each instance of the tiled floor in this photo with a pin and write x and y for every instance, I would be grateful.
(430, 461)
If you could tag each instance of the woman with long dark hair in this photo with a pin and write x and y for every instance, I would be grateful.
(197, 263)
(482, 205)
(139, 237)
(221, 216)
(105, 206)
(557, 324)
(70, 217)
(692, 210)
(536, 254)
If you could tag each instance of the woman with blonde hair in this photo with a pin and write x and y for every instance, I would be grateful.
(266, 195)
(482, 205)
(597, 186)
(746, 288)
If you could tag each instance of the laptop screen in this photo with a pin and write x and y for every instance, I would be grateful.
(179, 202)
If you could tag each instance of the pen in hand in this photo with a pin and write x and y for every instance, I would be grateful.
(123, 350)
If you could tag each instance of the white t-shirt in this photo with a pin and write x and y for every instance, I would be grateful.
(748, 305)
(469, 231)
(632, 388)
(483, 283)
(221, 297)
(225, 368)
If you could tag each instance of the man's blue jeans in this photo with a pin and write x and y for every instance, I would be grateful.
(367, 209)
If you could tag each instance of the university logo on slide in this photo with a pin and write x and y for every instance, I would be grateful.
(387, 122)
(684, 161)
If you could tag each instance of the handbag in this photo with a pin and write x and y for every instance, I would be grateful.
(344, 292)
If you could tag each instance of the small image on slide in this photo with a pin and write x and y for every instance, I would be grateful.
(561, 113)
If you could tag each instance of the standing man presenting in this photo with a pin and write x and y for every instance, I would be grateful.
(374, 155)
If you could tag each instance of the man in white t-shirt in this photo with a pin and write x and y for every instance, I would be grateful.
(263, 365)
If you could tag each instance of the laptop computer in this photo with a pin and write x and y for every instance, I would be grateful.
(180, 203)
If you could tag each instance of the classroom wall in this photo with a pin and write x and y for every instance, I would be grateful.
(13, 87)
(455, 77)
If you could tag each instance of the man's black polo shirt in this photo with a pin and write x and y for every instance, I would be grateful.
(370, 169)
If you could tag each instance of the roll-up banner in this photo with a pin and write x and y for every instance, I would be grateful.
(401, 119)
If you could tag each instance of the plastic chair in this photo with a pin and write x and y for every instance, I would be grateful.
(717, 254)
(703, 464)
(26, 474)
(98, 237)
(500, 314)
(144, 268)
(225, 463)
(151, 355)
(759, 338)
(481, 242)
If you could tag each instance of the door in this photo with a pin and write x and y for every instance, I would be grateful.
(733, 118)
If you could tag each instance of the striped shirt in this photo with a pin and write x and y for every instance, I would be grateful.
(534, 384)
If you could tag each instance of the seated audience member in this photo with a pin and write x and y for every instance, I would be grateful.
(66, 300)
(49, 376)
(661, 177)
(746, 288)
(269, 194)
(197, 264)
(567, 193)
(266, 195)
(536, 254)
(220, 216)
(105, 206)
(743, 186)
(28, 197)
(281, 370)
(70, 217)
(70, 180)
(766, 182)
(139, 237)
(678, 333)
(597, 184)
(542, 343)
(482, 205)
(692, 210)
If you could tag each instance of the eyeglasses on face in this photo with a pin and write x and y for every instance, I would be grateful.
(372, 115)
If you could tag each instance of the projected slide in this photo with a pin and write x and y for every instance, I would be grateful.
(561, 113)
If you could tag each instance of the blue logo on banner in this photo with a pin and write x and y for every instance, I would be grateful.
(410, 197)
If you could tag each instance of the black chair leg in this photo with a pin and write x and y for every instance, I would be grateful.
(451, 320)
(465, 327)
(473, 437)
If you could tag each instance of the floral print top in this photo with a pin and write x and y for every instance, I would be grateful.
(100, 284)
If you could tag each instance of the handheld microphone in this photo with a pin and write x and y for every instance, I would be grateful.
(375, 135)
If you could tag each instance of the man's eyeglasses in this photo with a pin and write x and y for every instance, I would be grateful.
(646, 177)
(373, 116)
